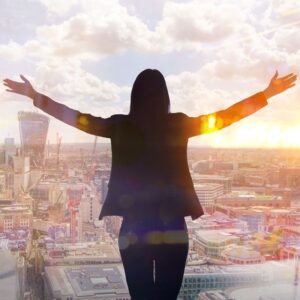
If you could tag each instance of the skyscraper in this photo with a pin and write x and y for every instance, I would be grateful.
(9, 149)
(33, 130)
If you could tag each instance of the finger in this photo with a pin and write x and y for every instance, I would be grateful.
(287, 76)
(14, 91)
(290, 80)
(275, 75)
(9, 84)
(8, 81)
(24, 78)
(291, 86)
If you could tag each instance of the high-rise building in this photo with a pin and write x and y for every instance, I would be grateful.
(33, 132)
(208, 193)
(76, 282)
(12, 276)
(219, 179)
(9, 148)
(21, 175)
(15, 217)
(211, 243)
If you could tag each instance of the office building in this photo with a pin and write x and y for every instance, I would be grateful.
(198, 279)
(241, 255)
(15, 217)
(211, 243)
(234, 278)
(223, 180)
(95, 282)
(33, 130)
(21, 174)
(246, 199)
(9, 149)
(284, 291)
(88, 253)
(11, 281)
(208, 193)
(214, 295)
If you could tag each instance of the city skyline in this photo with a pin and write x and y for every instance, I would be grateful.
(249, 235)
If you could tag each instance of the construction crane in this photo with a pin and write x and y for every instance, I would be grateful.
(58, 144)
(92, 168)
(73, 203)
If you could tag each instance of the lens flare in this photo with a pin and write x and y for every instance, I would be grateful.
(211, 122)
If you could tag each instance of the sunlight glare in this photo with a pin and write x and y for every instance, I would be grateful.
(211, 122)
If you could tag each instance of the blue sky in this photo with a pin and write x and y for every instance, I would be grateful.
(87, 53)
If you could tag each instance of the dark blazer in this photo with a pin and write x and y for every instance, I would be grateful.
(149, 172)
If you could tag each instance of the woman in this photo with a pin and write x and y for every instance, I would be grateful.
(150, 185)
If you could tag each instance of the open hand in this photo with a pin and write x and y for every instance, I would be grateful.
(279, 85)
(23, 88)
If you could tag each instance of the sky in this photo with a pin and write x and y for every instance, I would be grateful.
(87, 54)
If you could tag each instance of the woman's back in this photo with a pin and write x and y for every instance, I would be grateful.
(149, 161)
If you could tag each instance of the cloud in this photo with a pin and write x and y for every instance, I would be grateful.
(288, 39)
(191, 24)
(104, 28)
(11, 51)
(58, 7)
(81, 89)
(99, 30)
(189, 93)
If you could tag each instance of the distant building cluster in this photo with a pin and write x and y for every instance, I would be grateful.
(52, 245)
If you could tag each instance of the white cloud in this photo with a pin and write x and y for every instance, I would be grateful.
(58, 7)
(189, 93)
(100, 30)
(11, 51)
(288, 39)
(83, 90)
(191, 24)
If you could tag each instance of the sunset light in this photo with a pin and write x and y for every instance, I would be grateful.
(211, 122)
(150, 149)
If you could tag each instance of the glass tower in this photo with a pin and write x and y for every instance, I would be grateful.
(33, 132)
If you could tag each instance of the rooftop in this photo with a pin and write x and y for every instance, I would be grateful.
(274, 292)
(270, 270)
(206, 186)
(94, 282)
(217, 236)
(247, 195)
(241, 252)
(97, 252)
(15, 209)
(211, 176)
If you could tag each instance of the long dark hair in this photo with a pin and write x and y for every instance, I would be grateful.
(149, 95)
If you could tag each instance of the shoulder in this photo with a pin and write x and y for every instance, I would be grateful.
(118, 118)
(178, 118)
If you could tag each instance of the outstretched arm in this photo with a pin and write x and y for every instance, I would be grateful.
(223, 118)
(86, 122)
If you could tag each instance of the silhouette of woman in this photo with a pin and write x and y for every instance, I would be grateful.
(150, 184)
